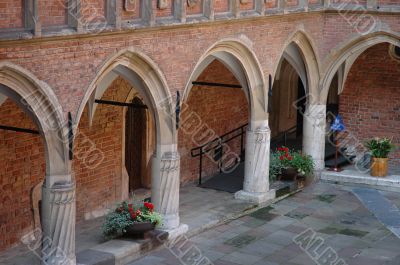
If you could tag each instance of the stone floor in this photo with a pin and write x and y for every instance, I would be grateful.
(324, 224)
(199, 209)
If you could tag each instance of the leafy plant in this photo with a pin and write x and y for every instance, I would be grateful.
(380, 147)
(303, 163)
(128, 213)
(284, 158)
(275, 166)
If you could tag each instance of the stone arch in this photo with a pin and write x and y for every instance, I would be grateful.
(143, 74)
(342, 58)
(38, 100)
(299, 51)
(236, 56)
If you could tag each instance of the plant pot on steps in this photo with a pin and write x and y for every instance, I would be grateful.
(379, 167)
(289, 174)
(139, 230)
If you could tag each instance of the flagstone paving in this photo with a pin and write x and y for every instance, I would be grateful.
(324, 224)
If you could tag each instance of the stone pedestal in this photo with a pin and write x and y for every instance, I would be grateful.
(314, 134)
(256, 178)
(58, 223)
(165, 188)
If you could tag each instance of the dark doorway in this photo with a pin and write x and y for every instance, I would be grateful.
(301, 107)
(135, 140)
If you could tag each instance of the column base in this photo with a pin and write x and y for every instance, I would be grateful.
(177, 231)
(255, 197)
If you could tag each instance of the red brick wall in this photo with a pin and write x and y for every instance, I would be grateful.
(11, 14)
(247, 6)
(166, 12)
(53, 12)
(196, 9)
(221, 6)
(99, 182)
(129, 15)
(370, 102)
(22, 167)
(220, 109)
(93, 11)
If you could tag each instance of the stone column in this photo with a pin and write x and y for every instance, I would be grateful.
(58, 224)
(256, 178)
(165, 188)
(314, 122)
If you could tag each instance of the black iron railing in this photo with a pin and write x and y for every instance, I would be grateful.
(282, 136)
(215, 148)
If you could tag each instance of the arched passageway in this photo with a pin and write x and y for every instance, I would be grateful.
(125, 79)
(368, 102)
(244, 67)
(37, 187)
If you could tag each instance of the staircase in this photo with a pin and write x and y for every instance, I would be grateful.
(233, 181)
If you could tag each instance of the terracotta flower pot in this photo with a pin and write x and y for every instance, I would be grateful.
(139, 230)
(379, 167)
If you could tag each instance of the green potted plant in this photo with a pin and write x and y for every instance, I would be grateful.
(380, 149)
(131, 219)
(288, 165)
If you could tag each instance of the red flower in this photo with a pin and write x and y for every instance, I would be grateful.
(287, 155)
(138, 212)
(281, 158)
(280, 149)
(130, 205)
(290, 158)
(148, 205)
(133, 215)
(286, 149)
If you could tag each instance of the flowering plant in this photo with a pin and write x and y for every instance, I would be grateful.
(284, 158)
(128, 213)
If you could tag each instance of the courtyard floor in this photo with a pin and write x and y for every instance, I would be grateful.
(324, 224)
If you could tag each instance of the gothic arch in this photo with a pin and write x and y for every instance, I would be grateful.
(143, 74)
(300, 53)
(242, 62)
(341, 60)
(38, 100)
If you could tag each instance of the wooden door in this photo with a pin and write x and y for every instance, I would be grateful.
(135, 140)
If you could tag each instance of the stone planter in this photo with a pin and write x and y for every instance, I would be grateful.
(379, 167)
(289, 174)
(139, 230)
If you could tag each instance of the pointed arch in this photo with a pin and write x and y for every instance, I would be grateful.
(341, 59)
(143, 74)
(38, 100)
(236, 56)
(299, 51)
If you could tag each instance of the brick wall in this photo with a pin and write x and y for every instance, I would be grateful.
(219, 109)
(53, 13)
(11, 14)
(22, 167)
(98, 177)
(370, 102)
(93, 11)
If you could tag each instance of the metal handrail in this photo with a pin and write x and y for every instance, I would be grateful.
(284, 135)
(217, 143)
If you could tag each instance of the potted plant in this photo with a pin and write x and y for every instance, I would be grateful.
(380, 149)
(285, 158)
(290, 165)
(131, 219)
